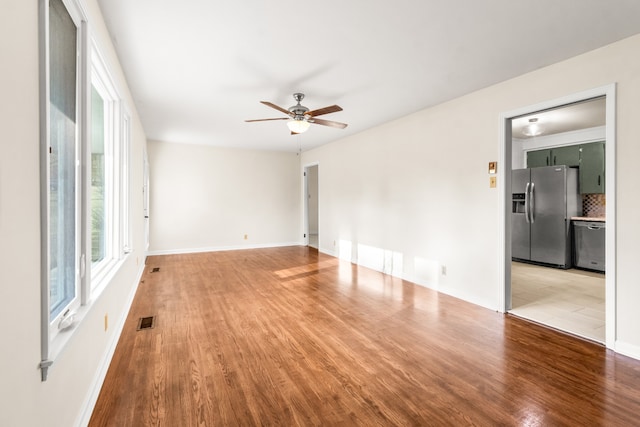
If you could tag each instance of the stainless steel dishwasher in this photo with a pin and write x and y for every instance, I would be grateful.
(589, 245)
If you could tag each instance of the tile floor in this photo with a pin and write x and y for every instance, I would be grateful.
(570, 300)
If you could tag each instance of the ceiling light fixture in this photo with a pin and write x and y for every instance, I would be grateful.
(298, 125)
(533, 128)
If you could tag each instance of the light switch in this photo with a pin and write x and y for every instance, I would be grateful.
(492, 182)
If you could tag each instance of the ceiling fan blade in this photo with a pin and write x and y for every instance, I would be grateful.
(328, 123)
(265, 120)
(274, 106)
(325, 110)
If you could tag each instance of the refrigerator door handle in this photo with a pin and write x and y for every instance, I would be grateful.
(532, 203)
(526, 203)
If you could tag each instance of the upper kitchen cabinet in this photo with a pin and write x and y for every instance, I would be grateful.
(588, 157)
(592, 168)
(568, 155)
(538, 158)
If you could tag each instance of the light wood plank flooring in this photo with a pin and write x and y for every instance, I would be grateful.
(570, 300)
(287, 336)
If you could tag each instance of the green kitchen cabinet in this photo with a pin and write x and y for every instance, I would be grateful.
(592, 168)
(568, 155)
(538, 158)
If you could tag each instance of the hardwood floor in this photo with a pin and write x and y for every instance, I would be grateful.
(288, 336)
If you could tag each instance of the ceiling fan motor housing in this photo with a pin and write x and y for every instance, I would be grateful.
(298, 110)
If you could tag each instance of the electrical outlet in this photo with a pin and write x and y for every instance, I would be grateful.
(246, 236)
(443, 270)
(492, 182)
(106, 321)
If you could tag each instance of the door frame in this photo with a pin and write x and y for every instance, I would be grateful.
(305, 202)
(146, 199)
(504, 174)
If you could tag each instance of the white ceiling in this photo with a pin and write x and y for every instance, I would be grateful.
(581, 115)
(198, 68)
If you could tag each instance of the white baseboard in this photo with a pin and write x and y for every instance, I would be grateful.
(221, 248)
(627, 349)
(327, 252)
(103, 367)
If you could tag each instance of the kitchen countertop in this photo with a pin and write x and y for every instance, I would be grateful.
(584, 218)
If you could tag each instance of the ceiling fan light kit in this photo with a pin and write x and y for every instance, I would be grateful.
(298, 125)
(300, 118)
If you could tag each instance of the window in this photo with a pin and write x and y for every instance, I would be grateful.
(106, 172)
(84, 190)
(62, 152)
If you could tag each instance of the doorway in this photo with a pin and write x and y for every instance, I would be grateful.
(145, 198)
(311, 206)
(513, 157)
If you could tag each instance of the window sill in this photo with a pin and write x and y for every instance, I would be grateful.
(104, 278)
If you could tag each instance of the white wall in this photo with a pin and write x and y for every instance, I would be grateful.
(24, 399)
(206, 198)
(416, 190)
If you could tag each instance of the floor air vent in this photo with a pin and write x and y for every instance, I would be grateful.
(155, 269)
(146, 323)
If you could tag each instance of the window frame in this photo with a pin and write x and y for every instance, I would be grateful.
(101, 271)
(125, 196)
(51, 325)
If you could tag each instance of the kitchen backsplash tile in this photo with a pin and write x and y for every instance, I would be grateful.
(594, 205)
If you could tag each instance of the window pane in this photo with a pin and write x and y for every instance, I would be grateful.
(62, 160)
(98, 222)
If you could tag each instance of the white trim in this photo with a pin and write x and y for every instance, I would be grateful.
(145, 198)
(305, 202)
(627, 349)
(223, 248)
(101, 80)
(330, 253)
(96, 384)
(610, 154)
(611, 209)
(305, 206)
(126, 245)
(504, 231)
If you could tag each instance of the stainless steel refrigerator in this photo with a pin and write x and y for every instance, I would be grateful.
(543, 201)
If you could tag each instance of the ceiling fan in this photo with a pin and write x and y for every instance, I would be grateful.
(300, 117)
